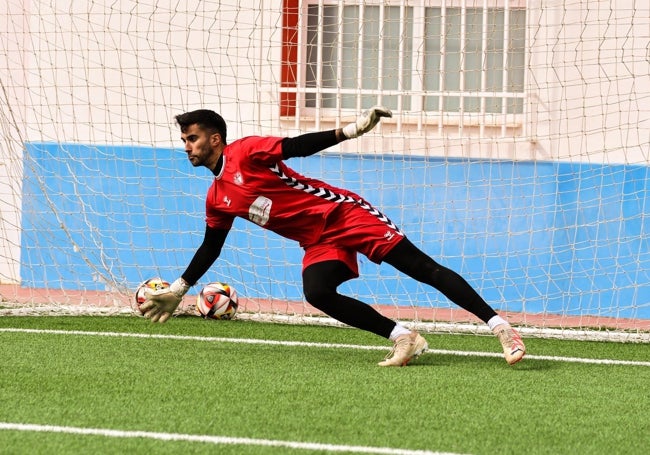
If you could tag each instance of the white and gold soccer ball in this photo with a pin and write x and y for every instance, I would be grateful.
(217, 301)
(147, 287)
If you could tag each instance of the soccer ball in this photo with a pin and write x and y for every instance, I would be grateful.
(217, 301)
(147, 287)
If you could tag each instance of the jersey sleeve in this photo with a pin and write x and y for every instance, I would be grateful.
(307, 144)
(265, 151)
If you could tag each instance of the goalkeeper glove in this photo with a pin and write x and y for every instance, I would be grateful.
(366, 122)
(160, 305)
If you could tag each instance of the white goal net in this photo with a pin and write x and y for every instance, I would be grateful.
(518, 153)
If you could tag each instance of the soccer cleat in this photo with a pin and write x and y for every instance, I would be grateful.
(405, 349)
(513, 347)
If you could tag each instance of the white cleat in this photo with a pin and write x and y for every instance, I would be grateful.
(513, 346)
(405, 349)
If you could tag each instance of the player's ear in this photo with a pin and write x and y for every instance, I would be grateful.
(215, 139)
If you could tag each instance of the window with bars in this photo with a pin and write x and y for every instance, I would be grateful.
(452, 57)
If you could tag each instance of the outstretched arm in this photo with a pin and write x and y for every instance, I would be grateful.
(205, 256)
(310, 143)
(160, 305)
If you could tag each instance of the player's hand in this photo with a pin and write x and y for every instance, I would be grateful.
(160, 305)
(366, 122)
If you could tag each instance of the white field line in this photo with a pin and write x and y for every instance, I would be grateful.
(320, 345)
(220, 440)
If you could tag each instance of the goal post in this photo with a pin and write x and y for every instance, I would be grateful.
(518, 153)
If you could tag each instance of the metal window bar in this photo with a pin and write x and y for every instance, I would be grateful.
(339, 66)
(300, 65)
(463, 62)
(504, 82)
(400, 64)
(319, 62)
(527, 130)
(484, 68)
(417, 75)
(443, 67)
(360, 53)
(417, 93)
(380, 52)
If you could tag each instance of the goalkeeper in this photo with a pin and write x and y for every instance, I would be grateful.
(331, 224)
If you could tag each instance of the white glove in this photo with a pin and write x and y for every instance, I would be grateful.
(366, 121)
(160, 305)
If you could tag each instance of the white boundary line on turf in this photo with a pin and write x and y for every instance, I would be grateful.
(319, 345)
(212, 439)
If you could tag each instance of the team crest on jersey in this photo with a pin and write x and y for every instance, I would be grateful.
(238, 179)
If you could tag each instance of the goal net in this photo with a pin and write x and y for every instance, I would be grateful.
(518, 153)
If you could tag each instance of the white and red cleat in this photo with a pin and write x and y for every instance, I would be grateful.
(513, 347)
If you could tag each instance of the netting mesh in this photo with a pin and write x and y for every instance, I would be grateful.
(517, 154)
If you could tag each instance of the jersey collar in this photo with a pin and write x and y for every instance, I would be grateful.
(221, 165)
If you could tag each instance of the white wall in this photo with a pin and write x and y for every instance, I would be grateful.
(12, 133)
(94, 74)
(590, 81)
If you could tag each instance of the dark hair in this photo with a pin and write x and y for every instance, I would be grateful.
(206, 119)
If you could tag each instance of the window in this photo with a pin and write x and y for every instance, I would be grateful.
(452, 58)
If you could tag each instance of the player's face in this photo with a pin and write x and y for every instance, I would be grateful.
(199, 146)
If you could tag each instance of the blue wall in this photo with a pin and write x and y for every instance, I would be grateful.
(530, 236)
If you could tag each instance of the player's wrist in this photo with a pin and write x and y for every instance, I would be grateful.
(365, 122)
(179, 287)
(350, 131)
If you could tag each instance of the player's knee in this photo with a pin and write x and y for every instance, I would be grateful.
(318, 295)
(410, 260)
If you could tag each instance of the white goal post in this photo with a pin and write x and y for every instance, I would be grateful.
(518, 153)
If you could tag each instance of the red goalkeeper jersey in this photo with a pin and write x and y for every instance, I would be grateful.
(255, 184)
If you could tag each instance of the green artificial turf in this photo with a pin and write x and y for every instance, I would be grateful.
(332, 395)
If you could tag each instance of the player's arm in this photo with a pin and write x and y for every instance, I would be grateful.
(205, 255)
(310, 143)
(160, 305)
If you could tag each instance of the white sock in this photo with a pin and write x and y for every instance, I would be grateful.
(398, 330)
(496, 321)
